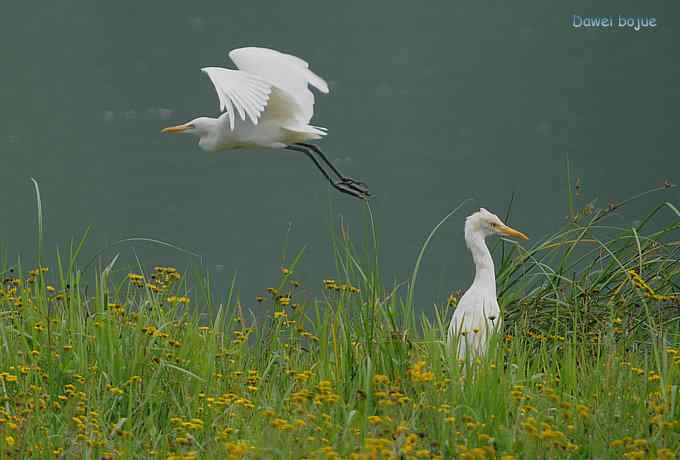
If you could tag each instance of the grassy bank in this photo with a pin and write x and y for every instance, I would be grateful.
(588, 365)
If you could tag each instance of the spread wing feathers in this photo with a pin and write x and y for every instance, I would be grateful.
(240, 92)
(283, 108)
(284, 71)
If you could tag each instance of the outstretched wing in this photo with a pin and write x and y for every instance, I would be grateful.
(286, 72)
(240, 92)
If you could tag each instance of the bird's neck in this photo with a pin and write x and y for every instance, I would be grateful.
(213, 136)
(485, 277)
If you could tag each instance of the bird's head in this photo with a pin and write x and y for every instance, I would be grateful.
(198, 126)
(486, 223)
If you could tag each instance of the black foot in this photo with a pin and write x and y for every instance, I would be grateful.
(357, 186)
(345, 187)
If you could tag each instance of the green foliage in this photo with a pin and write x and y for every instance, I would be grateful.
(588, 365)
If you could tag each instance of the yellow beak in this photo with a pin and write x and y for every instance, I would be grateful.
(512, 232)
(176, 129)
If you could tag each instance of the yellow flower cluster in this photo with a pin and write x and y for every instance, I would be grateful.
(194, 424)
(283, 300)
(162, 279)
(229, 399)
(401, 444)
(302, 376)
(7, 377)
(675, 354)
(88, 428)
(35, 273)
(378, 448)
(333, 285)
(647, 290)
(136, 279)
(117, 308)
(187, 456)
(393, 397)
(252, 380)
(173, 299)
(115, 391)
(476, 453)
(376, 419)
(241, 335)
(418, 374)
(452, 300)
(546, 432)
(325, 393)
(153, 331)
(639, 448)
(9, 292)
(236, 450)
(380, 379)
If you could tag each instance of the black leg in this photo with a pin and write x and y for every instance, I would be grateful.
(341, 186)
(353, 184)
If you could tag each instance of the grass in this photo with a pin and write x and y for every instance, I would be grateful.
(588, 365)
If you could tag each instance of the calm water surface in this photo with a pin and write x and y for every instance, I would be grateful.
(431, 103)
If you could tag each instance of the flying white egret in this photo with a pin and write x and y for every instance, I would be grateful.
(267, 103)
(477, 314)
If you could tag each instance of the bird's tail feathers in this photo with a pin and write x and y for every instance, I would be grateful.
(316, 132)
(316, 81)
(321, 129)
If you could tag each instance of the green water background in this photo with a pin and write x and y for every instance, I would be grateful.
(430, 103)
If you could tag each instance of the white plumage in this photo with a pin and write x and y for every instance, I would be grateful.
(266, 103)
(284, 71)
(241, 91)
(477, 314)
(266, 75)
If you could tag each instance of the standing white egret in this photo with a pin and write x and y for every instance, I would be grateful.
(267, 104)
(477, 314)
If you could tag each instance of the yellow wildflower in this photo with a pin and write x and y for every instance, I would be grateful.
(380, 379)
(374, 420)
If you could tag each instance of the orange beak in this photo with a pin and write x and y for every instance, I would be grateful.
(505, 230)
(176, 129)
